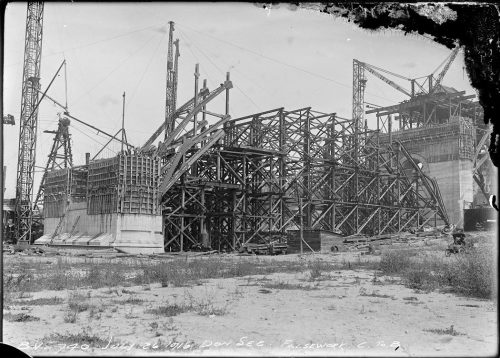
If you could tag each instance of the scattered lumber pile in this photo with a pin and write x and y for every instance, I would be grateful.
(362, 242)
(26, 250)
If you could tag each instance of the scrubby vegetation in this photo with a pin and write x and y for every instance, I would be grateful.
(19, 317)
(36, 276)
(280, 285)
(168, 310)
(204, 306)
(470, 274)
(84, 337)
(447, 331)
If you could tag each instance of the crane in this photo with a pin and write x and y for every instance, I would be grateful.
(373, 70)
(434, 83)
(28, 121)
(359, 84)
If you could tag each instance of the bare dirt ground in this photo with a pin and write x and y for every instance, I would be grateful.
(345, 312)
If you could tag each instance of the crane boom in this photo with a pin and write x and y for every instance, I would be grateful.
(385, 79)
(28, 121)
(441, 75)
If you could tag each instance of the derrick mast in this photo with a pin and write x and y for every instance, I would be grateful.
(358, 95)
(28, 121)
(60, 156)
(171, 93)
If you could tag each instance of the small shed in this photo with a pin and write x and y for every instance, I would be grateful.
(317, 240)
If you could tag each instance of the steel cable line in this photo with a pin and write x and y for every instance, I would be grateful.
(270, 58)
(283, 63)
(116, 68)
(222, 73)
(88, 92)
(194, 55)
(92, 43)
(85, 134)
(144, 73)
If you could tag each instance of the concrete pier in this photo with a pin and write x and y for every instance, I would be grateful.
(107, 203)
(445, 152)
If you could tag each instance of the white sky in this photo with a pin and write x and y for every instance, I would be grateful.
(277, 58)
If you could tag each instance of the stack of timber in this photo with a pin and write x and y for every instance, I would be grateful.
(314, 241)
(359, 242)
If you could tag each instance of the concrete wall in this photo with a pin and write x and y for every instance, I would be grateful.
(455, 183)
(138, 233)
(88, 224)
(133, 233)
(440, 148)
(490, 173)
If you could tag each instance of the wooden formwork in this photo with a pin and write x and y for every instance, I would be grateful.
(78, 183)
(467, 139)
(56, 192)
(62, 184)
(138, 182)
(102, 186)
(123, 184)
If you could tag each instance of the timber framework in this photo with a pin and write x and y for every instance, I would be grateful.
(276, 169)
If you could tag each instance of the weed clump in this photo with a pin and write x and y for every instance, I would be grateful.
(288, 286)
(19, 317)
(168, 310)
(132, 300)
(449, 331)
(43, 301)
(470, 274)
(85, 336)
(394, 261)
(373, 294)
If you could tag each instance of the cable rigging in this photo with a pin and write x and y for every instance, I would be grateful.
(281, 62)
(222, 72)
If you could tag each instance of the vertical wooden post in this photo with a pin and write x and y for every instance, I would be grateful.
(227, 95)
(196, 76)
(181, 236)
(123, 122)
(301, 228)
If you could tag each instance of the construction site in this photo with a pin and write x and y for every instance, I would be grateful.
(281, 181)
(219, 183)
